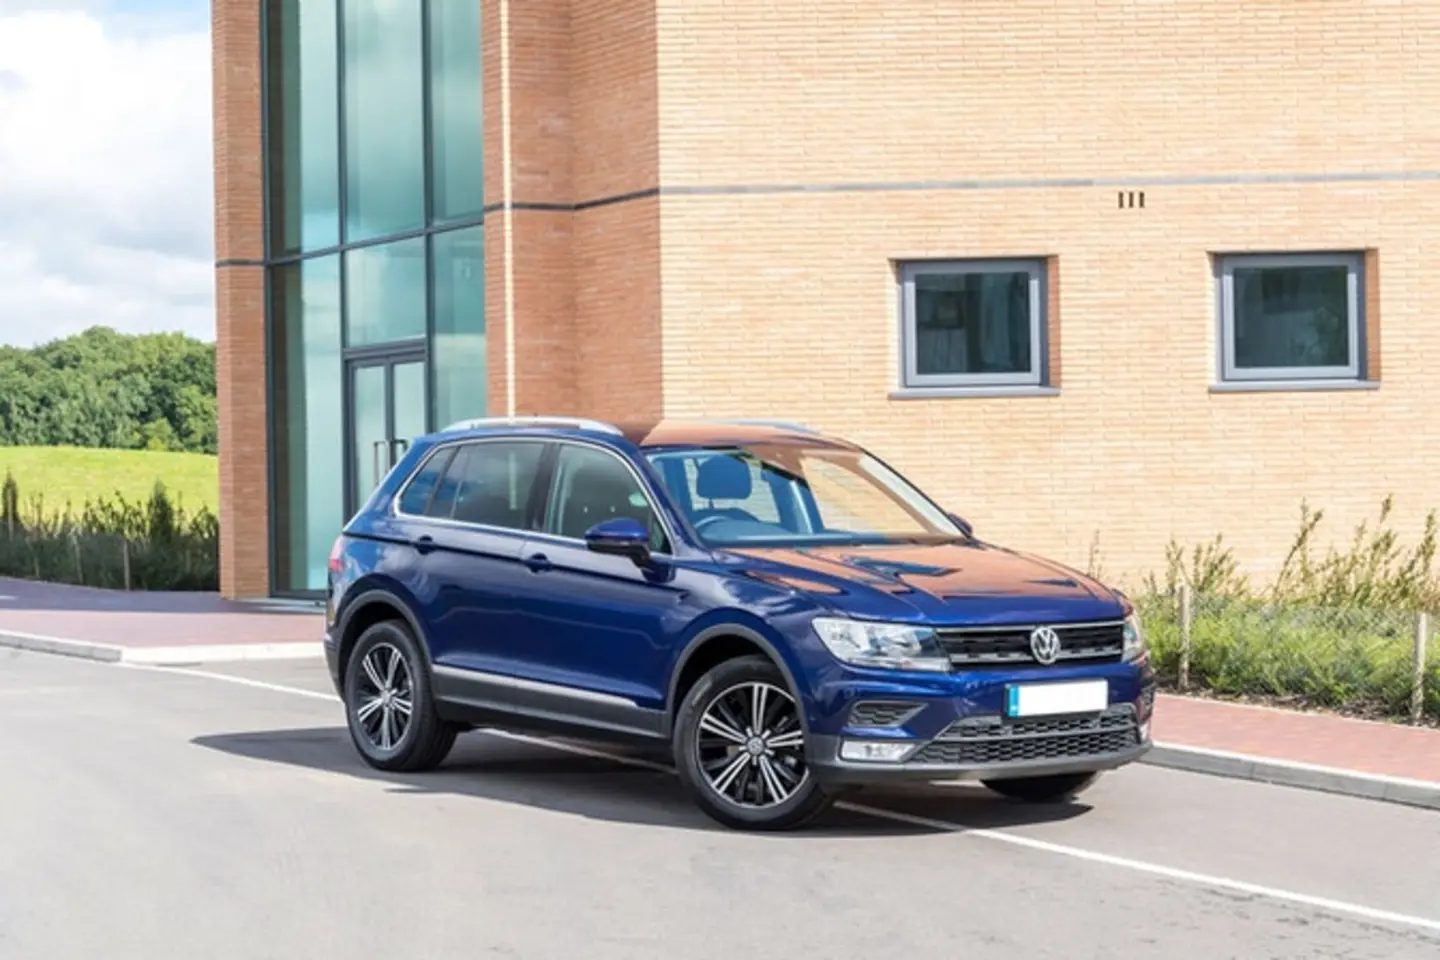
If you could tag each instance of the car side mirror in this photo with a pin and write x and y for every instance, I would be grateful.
(962, 523)
(621, 536)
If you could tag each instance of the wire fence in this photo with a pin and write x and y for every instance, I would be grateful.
(1367, 662)
(152, 544)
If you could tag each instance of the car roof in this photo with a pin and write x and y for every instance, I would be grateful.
(652, 433)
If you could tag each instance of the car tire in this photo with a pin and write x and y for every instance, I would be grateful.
(1052, 789)
(755, 782)
(386, 675)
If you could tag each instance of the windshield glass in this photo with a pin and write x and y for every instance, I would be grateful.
(792, 494)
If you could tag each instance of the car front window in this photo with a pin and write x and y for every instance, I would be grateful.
(796, 494)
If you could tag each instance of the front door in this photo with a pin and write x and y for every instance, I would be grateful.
(591, 621)
(387, 400)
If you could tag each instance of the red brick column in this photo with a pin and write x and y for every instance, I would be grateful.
(240, 300)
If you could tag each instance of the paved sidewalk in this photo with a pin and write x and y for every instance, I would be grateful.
(152, 628)
(1318, 751)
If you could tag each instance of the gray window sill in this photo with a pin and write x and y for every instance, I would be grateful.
(938, 393)
(1290, 386)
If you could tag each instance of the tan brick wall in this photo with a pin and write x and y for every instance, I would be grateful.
(784, 304)
(617, 282)
(239, 300)
(616, 245)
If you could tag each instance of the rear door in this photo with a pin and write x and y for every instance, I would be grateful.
(469, 530)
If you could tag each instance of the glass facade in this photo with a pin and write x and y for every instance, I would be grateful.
(375, 251)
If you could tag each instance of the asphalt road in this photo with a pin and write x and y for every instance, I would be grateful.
(152, 813)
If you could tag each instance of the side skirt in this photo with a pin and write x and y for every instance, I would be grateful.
(492, 699)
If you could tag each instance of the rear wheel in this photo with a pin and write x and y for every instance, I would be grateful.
(1044, 789)
(389, 707)
(739, 748)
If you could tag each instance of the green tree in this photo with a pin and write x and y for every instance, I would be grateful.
(101, 388)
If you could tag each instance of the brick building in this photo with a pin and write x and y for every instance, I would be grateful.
(1087, 269)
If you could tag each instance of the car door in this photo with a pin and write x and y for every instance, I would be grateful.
(469, 535)
(599, 624)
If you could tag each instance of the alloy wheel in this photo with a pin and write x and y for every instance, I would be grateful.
(384, 696)
(751, 745)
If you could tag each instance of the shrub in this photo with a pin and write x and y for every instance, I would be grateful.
(1336, 632)
(155, 544)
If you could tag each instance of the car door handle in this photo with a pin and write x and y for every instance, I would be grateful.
(538, 562)
(424, 543)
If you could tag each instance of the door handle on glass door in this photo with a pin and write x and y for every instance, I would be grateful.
(538, 562)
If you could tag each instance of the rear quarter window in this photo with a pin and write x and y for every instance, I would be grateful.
(415, 498)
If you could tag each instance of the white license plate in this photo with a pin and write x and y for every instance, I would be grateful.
(1041, 699)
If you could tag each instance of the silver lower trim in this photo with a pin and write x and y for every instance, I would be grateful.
(535, 686)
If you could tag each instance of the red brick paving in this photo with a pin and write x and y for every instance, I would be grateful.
(178, 619)
(1320, 739)
(147, 619)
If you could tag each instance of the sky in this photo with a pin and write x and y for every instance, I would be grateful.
(106, 191)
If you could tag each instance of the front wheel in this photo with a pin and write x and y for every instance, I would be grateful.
(1043, 789)
(739, 748)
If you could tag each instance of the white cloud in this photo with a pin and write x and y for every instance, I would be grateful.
(106, 189)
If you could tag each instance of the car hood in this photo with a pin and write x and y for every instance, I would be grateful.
(955, 582)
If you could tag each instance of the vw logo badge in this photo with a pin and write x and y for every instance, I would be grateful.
(1045, 645)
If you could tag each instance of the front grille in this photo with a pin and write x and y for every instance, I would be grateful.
(979, 648)
(990, 741)
(880, 713)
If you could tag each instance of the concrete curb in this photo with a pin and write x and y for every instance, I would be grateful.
(1350, 783)
(177, 656)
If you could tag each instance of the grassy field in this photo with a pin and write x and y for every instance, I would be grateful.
(60, 474)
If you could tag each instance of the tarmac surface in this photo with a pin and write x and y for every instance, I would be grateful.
(221, 812)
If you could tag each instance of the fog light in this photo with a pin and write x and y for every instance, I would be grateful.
(875, 751)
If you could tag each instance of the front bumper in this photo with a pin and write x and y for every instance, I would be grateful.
(827, 767)
(957, 727)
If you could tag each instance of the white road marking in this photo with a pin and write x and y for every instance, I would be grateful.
(1140, 866)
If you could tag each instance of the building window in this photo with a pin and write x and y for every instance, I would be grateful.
(973, 323)
(306, 407)
(383, 60)
(304, 137)
(458, 267)
(457, 107)
(1292, 317)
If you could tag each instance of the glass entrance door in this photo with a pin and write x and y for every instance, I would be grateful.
(387, 411)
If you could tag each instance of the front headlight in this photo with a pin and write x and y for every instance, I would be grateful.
(1134, 639)
(890, 646)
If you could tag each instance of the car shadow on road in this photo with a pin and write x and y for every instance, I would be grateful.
(626, 789)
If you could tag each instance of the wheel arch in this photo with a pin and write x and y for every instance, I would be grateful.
(370, 607)
(715, 645)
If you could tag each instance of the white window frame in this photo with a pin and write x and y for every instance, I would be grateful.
(910, 377)
(1355, 297)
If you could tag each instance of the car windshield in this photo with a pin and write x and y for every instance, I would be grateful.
(788, 494)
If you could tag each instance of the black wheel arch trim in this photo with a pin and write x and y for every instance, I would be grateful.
(382, 597)
(743, 632)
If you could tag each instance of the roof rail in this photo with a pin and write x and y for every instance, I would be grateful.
(778, 424)
(578, 423)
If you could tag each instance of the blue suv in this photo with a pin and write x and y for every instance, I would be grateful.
(781, 609)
